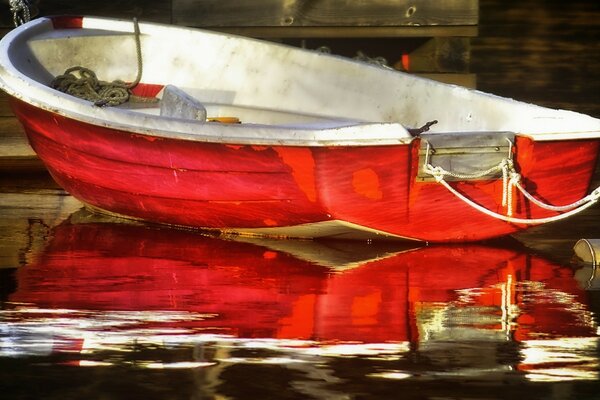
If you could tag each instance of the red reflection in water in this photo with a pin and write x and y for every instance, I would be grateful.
(255, 290)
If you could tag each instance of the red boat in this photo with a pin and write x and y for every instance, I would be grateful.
(324, 147)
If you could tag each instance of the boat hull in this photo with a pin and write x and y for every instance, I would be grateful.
(274, 190)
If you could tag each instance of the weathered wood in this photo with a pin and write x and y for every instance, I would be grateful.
(323, 18)
(5, 110)
(145, 10)
(15, 152)
(278, 18)
(324, 13)
(24, 228)
(268, 32)
(10, 128)
(24, 164)
(433, 55)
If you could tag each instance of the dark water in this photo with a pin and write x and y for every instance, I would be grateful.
(92, 308)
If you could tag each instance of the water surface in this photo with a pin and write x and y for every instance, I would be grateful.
(100, 309)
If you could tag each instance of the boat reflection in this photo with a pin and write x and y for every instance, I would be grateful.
(102, 291)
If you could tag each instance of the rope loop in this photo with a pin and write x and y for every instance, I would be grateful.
(511, 179)
(438, 173)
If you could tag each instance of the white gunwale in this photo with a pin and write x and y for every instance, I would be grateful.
(333, 101)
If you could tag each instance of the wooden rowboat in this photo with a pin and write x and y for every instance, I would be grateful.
(325, 147)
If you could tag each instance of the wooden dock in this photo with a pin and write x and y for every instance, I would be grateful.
(428, 38)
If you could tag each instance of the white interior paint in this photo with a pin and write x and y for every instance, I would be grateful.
(283, 95)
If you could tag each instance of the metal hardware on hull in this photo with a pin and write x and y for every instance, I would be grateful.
(464, 153)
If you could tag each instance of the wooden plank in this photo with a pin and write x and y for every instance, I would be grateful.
(20, 165)
(268, 32)
(15, 152)
(432, 55)
(10, 128)
(27, 216)
(145, 10)
(5, 110)
(232, 13)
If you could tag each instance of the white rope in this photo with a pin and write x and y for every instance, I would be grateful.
(529, 221)
(510, 180)
(593, 196)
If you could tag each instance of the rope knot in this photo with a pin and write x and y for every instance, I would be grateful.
(507, 163)
(515, 177)
(438, 173)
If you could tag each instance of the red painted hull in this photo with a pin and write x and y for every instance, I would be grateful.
(221, 186)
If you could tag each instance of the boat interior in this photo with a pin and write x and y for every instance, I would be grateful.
(178, 100)
(256, 82)
(223, 92)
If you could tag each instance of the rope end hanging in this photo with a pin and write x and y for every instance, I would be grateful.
(138, 51)
(21, 10)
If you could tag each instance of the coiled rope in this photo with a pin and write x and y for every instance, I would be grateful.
(83, 83)
(510, 179)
